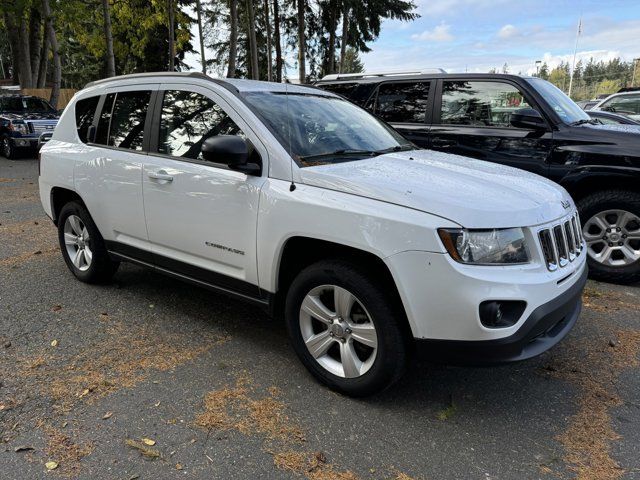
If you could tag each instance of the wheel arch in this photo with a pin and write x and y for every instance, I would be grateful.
(585, 183)
(60, 196)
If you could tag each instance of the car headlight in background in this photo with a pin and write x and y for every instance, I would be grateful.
(486, 247)
(20, 128)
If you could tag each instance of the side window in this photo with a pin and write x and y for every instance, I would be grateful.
(85, 110)
(187, 120)
(127, 120)
(403, 102)
(625, 104)
(102, 132)
(483, 104)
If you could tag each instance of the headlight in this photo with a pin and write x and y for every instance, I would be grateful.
(485, 247)
(19, 127)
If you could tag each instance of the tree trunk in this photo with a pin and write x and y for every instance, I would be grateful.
(276, 33)
(44, 60)
(253, 47)
(330, 64)
(267, 21)
(203, 60)
(35, 24)
(14, 45)
(24, 56)
(233, 38)
(301, 42)
(345, 35)
(57, 66)
(108, 37)
(172, 45)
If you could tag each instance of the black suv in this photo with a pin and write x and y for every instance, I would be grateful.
(525, 122)
(26, 123)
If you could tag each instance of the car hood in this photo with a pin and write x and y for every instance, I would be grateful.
(30, 116)
(472, 193)
(621, 128)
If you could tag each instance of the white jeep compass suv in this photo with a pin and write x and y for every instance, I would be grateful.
(299, 201)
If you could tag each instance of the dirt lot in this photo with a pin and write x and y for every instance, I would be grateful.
(150, 378)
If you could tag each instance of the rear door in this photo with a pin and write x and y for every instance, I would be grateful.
(201, 216)
(108, 172)
(406, 105)
(472, 118)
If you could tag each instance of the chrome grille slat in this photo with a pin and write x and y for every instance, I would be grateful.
(561, 243)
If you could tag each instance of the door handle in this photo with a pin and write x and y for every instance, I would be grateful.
(160, 175)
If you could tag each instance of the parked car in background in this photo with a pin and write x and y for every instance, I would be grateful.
(26, 123)
(305, 204)
(524, 122)
(608, 118)
(626, 103)
(587, 104)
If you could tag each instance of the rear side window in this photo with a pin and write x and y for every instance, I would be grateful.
(187, 120)
(404, 102)
(625, 104)
(85, 110)
(127, 120)
(102, 133)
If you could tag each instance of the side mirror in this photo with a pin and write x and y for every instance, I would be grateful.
(230, 150)
(91, 134)
(527, 118)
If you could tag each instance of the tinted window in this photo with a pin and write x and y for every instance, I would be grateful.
(358, 93)
(187, 120)
(27, 104)
(625, 104)
(85, 110)
(483, 104)
(127, 120)
(102, 132)
(402, 102)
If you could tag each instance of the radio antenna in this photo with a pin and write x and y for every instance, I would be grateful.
(292, 187)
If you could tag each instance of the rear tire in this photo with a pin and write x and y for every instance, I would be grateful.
(82, 246)
(355, 332)
(611, 227)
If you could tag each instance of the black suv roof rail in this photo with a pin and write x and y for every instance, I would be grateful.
(342, 76)
(148, 74)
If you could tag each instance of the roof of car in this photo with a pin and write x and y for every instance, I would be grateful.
(423, 76)
(234, 84)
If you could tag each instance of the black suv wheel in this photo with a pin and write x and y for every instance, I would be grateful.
(6, 148)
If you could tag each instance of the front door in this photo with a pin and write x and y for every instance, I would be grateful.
(472, 118)
(201, 216)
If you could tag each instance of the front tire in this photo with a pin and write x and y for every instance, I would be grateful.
(611, 228)
(82, 246)
(345, 329)
(7, 149)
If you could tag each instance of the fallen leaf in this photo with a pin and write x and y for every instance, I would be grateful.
(23, 448)
(178, 466)
(51, 465)
(64, 424)
(84, 392)
(107, 415)
(57, 308)
(148, 441)
(2, 407)
(143, 449)
(156, 404)
(54, 343)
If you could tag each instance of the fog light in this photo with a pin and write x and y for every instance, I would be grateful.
(501, 313)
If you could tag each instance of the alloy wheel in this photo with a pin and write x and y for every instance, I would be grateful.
(77, 242)
(613, 237)
(6, 148)
(338, 331)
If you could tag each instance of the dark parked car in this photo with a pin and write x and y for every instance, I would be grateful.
(609, 118)
(26, 123)
(524, 122)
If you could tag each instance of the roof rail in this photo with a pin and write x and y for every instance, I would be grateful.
(147, 74)
(389, 73)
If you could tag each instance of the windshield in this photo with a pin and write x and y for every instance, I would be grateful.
(27, 105)
(566, 108)
(319, 129)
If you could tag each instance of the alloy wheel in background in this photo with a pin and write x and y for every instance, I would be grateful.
(613, 237)
(338, 331)
(77, 242)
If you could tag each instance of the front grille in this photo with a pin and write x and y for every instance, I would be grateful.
(41, 126)
(562, 243)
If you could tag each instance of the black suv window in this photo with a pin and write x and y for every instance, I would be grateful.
(403, 102)
(187, 120)
(85, 110)
(127, 120)
(358, 93)
(484, 104)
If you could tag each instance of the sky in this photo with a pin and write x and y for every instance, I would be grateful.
(477, 35)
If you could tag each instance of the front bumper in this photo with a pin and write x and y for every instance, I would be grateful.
(545, 327)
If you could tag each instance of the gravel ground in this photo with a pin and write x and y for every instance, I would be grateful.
(90, 373)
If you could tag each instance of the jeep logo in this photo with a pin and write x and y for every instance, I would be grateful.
(566, 204)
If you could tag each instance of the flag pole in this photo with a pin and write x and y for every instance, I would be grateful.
(575, 51)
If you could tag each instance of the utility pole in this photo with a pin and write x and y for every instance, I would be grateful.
(575, 50)
(633, 75)
(538, 63)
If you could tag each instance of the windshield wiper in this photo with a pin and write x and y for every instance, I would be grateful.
(346, 152)
(396, 148)
(591, 121)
